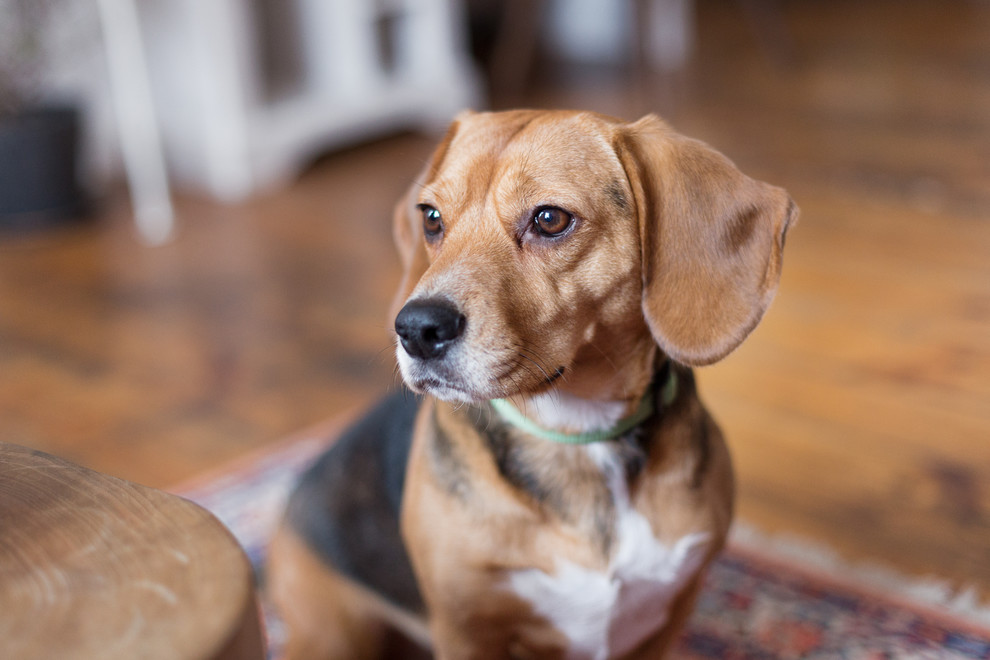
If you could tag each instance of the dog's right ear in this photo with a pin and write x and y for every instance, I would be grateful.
(711, 238)
(407, 225)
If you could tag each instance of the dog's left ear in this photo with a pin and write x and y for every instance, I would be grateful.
(711, 239)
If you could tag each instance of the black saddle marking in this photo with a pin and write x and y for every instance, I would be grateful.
(346, 506)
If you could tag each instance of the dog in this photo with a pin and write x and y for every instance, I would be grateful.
(550, 486)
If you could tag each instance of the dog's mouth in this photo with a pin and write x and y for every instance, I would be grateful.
(448, 391)
(433, 385)
(454, 389)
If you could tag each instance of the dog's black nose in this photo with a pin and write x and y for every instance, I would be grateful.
(428, 327)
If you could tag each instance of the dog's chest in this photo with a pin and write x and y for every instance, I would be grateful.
(605, 614)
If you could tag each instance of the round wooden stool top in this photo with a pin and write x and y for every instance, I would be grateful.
(96, 567)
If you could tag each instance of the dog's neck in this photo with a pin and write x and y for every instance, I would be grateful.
(565, 417)
(605, 384)
(562, 411)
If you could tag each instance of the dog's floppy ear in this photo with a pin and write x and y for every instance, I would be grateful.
(407, 224)
(711, 241)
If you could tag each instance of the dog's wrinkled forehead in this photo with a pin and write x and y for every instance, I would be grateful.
(531, 159)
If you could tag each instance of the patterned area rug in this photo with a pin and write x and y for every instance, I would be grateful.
(757, 604)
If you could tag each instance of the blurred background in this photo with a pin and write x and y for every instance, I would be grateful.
(195, 241)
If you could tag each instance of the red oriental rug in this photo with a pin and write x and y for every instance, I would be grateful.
(760, 601)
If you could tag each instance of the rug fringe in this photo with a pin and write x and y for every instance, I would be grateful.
(928, 591)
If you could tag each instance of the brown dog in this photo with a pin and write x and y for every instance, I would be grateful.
(561, 489)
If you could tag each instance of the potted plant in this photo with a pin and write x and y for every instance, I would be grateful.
(39, 183)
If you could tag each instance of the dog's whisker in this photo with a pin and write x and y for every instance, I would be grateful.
(536, 359)
(386, 351)
(528, 367)
(397, 380)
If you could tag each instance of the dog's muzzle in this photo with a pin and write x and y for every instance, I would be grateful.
(427, 328)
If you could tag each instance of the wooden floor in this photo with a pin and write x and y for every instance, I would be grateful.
(858, 413)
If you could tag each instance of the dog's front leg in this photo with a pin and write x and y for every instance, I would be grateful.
(453, 641)
(659, 645)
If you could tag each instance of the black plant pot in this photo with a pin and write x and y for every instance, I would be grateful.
(39, 184)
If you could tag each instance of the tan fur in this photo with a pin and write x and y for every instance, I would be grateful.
(674, 253)
(327, 615)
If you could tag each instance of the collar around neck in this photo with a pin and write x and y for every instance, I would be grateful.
(645, 410)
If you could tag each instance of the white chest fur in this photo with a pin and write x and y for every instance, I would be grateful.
(608, 614)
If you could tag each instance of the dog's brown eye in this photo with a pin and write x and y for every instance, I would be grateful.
(551, 221)
(432, 221)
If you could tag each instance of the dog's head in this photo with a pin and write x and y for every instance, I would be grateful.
(560, 249)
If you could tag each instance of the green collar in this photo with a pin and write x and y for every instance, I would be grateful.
(646, 408)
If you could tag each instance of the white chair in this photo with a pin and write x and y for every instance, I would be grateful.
(200, 86)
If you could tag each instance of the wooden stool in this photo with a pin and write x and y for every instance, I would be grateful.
(97, 567)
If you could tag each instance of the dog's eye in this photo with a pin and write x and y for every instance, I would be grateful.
(551, 221)
(432, 221)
